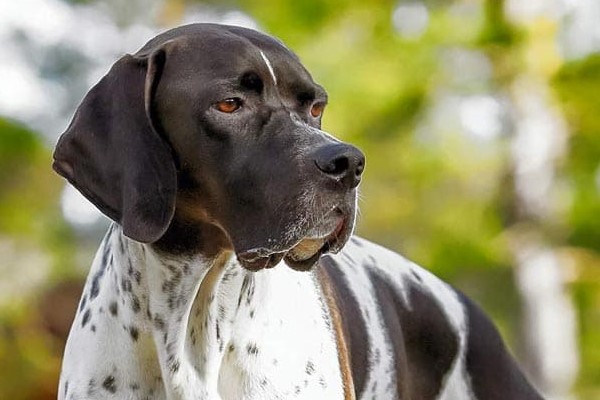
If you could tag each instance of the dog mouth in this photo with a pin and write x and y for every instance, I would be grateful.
(304, 254)
(308, 251)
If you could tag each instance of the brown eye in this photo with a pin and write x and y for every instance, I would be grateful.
(229, 105)
(317, 109)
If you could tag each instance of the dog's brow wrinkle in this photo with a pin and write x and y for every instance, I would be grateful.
(269, 66)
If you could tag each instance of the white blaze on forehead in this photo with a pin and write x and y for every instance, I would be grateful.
(269, 66)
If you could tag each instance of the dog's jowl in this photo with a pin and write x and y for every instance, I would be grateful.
(230, 271)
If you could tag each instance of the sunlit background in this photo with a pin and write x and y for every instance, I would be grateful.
(481, 125)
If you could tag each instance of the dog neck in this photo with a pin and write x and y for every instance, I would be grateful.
(189, 234)
(201, 325)
(169, 300)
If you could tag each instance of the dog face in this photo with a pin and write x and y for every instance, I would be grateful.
(215, 125)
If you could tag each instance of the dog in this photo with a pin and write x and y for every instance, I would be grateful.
(230, 270)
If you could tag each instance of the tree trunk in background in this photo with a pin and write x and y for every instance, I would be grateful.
(538, 143)
(549, 319)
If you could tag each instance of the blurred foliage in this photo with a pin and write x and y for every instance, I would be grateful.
(497, 30)
(29, 357)
(20, 153)
(577, 84)
(430, 191)
(36, 247)
(29, 196)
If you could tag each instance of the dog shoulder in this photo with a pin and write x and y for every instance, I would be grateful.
(429, 323)
(385, 298)
(389, 271)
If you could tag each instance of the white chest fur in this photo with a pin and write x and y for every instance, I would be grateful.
(279, 343)
(152, 327)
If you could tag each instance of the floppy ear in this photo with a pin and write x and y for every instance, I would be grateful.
(112, 153)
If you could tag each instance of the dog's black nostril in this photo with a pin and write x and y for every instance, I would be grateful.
(341, 162)
(360, 167)
(337, 166)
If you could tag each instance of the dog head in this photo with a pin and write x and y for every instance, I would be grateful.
(216, 126)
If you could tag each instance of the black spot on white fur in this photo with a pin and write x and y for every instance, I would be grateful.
(252, 349)
(135, 303)
(416, 276)
(95, 289)
(91, 387)
(83, 302)
(310, 368)
(109, 384)
(174, 366)
(113, 307)
(134, 333)
(86, 317)
(159, 322)
(322, 382)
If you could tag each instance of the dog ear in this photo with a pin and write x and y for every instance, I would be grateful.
(112, 153)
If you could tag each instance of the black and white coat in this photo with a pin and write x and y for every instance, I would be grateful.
(156, 327)
(231, 272)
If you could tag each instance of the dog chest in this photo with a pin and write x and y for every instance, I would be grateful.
(279, 339)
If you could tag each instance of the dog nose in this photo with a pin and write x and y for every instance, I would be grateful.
(341, 162)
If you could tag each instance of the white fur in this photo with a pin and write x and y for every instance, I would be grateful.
(293, 353)
(269, 66)
(292, 334)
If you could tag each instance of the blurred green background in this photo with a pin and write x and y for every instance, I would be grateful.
(479, 120)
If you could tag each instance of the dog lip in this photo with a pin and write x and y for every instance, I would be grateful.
(255, 260)
(331, 243)
(261, 257)
(303, 265)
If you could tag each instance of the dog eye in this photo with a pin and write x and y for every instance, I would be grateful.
(229, 105)
(317, 109)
